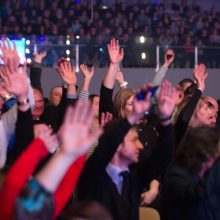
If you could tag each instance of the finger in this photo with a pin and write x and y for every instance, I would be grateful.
(122, 52)
(90, 115)
(69, 115)
(4, 45)
(83, 111)
(78, 112)
(117, 45)
(8, 44)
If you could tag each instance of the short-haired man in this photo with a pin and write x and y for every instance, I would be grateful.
(110, 177)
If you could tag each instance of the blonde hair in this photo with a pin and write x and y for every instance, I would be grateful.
(120, 101)
(202, 101)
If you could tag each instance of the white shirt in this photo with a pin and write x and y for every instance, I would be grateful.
(115, 173)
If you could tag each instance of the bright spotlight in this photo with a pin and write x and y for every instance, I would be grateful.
(28, 42)
(29, 60)
(67, 42)
(142, 39)
(27, 50)
(68, 52)
(143, 56)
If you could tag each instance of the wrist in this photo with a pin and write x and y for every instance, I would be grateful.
(165, 120)
(6, 97)
(68, 157)
(123, 84)
(23, 102)
(114, 64)
(166, 64)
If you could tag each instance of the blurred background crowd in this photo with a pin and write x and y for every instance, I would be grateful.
(139, 26)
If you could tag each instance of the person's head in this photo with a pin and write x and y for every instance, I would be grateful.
(123, 102)
(95, 103)
(198, 150)
(38, 108)
(129, 150)
(204, 114)
(178, 95)
(185, 83)
(88, 210)
(55, 95)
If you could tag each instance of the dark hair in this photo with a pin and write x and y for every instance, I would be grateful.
(88, 210)
(191, 89)
(184, 81)
(198, 146)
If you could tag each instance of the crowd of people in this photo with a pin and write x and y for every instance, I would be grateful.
(172, 25)
(76, 155)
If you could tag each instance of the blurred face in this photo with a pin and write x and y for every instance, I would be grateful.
(55, 96)
(186, 85)
(206, 115)
(38, 109)
(178, 95)
(129, 150)
(129, 106)
(95, 105)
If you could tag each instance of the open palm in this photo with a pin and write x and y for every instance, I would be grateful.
(116, 54)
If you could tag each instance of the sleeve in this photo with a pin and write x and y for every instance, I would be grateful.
(83, 95)
(155, 166)
(24, 134)
(185, 115)
(67, 185)
(105, 103)
(18, 175)
(34, 202)
(35, 77)
(179, 186)
(159, 75)
(9, 120)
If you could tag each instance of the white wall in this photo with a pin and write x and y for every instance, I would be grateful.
(135, 77)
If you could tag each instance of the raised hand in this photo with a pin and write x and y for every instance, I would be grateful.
(45, 133)
(169, 57)
(140, 106)
(166, 102)
(74, 134)
(200, 76)
(67, 72)
(39, 56)
(16, 82)
(105, 118)
(86, 72)
(8, 52)
(116, 54)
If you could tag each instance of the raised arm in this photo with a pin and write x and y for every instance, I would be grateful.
(53, 115)
(161, 73)
(88, 74)
(17, 85)
(36, 70)
(156, 164)
(116, 55)
(25, 166)
(184, 118)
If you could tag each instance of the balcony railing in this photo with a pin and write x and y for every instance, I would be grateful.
(138, 52)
